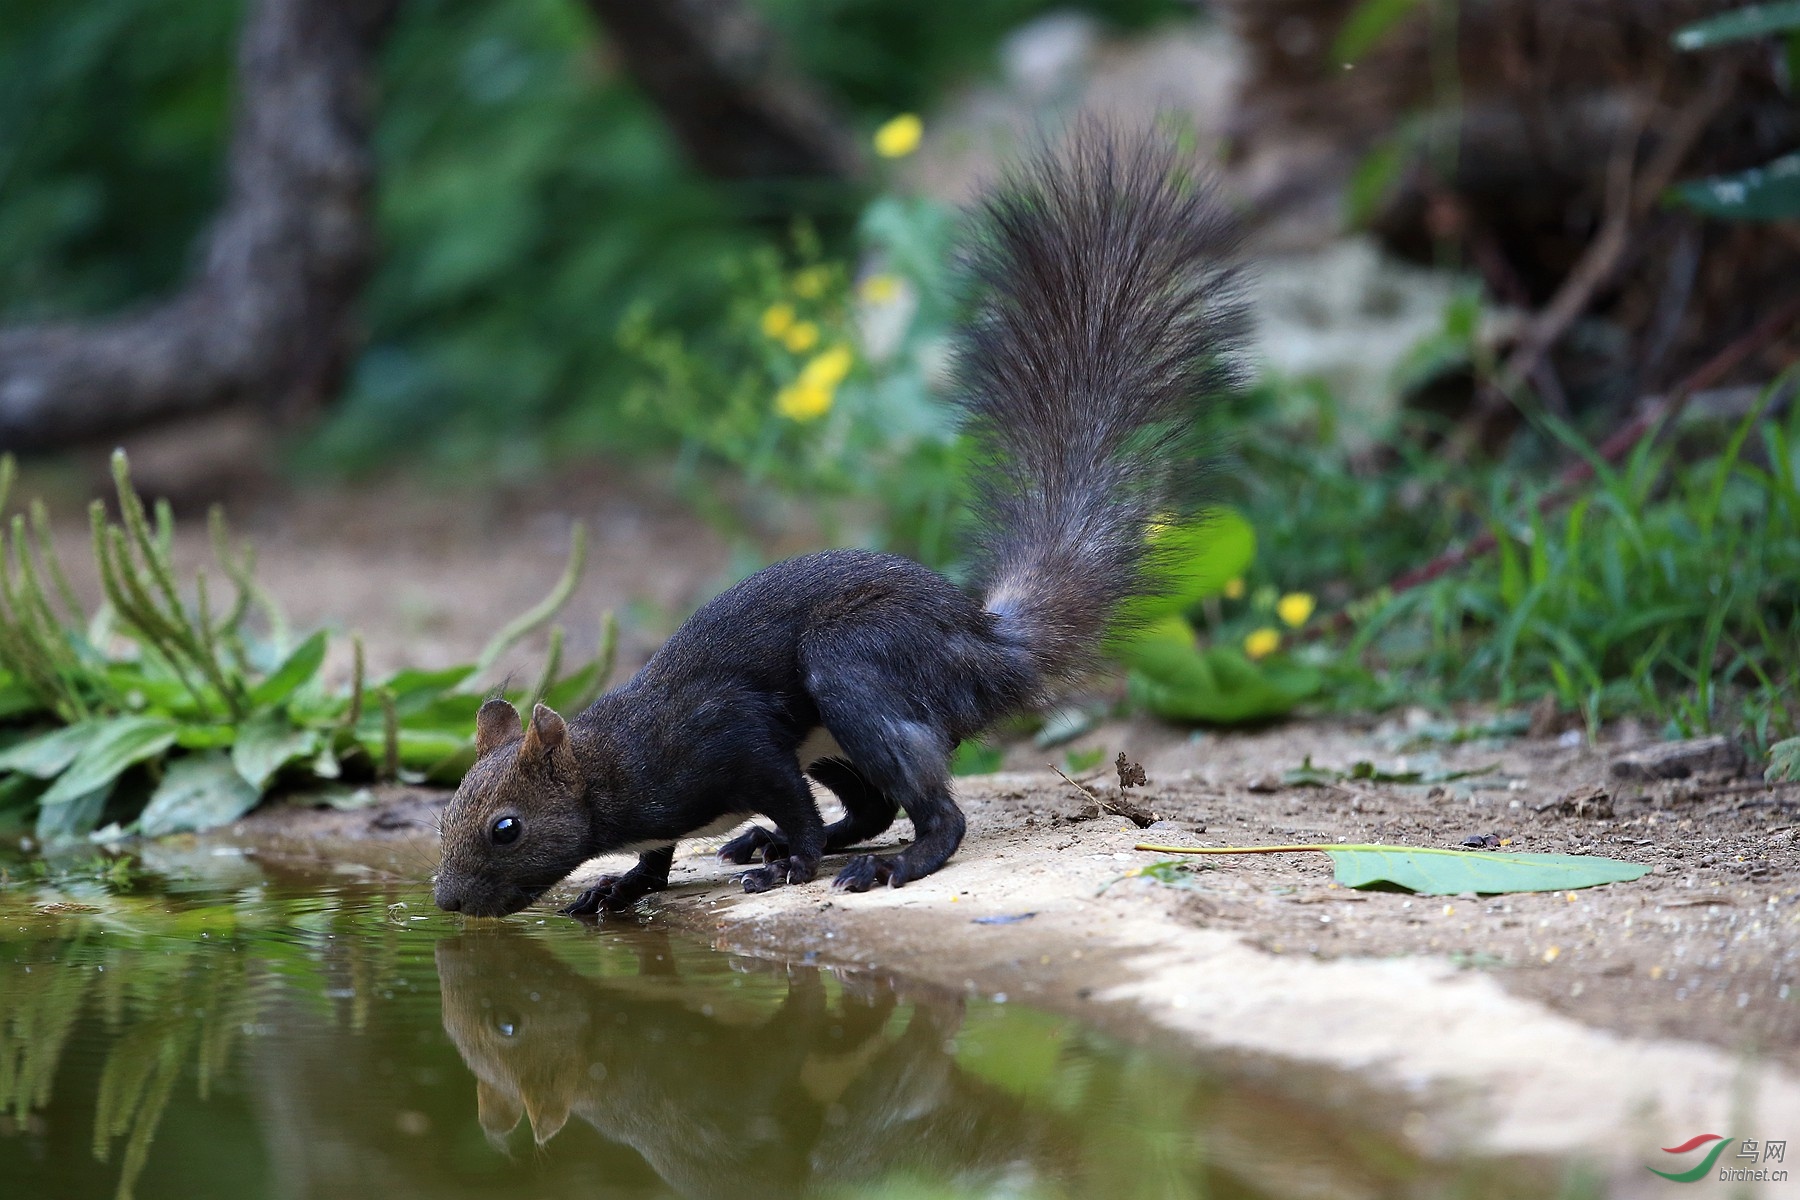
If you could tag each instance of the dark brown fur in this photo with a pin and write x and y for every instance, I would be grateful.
(1104, 327)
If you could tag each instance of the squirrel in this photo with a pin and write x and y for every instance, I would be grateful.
(1105, 324)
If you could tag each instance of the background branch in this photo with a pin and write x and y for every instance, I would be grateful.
(268, 315)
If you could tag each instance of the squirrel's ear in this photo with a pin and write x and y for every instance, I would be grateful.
(547, 1117)
(498, 1112)
(547, 732)
(496, 723)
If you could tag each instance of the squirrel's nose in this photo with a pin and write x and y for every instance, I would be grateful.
(446, 898)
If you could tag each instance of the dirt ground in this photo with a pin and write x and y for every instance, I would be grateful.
(1591, 1025)
(1599, 1024)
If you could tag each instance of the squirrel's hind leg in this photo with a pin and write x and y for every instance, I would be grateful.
(900, 759)
(867, 809)
(867, 812)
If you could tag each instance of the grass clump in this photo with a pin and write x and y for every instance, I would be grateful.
(1669, 589)
(164, 709)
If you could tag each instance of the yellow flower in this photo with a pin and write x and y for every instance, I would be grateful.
(1234, 588)
(801, 336)
(1262, 643)
(830, 368)
(1294, 608)
(880, 289)
(900, 136)
(810, 283)
(777, 319)
(803, 401)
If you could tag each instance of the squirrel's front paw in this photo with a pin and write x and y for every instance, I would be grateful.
(615, 893)
(794, 869)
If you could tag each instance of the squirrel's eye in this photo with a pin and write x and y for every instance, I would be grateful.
(507, 830)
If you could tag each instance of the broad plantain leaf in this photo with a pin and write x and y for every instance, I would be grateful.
(447, 714)
(70, 819)
(48, 755)
(117, 744)
(198, 791)
(205, 737)
(1739, 24)
(1217, 685)
(300, 666)
(1195, 560)
(267, 743)
(420, 749)
(1432, 872)
(415, 690)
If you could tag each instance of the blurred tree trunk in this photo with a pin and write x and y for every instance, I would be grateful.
(267, 317)
(718, 74)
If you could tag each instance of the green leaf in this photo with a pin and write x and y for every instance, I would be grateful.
(205, 737)
(16, 700)
(1170, 872)
(117, 744)
(444, 714)
(198, 791)
(340, 797)
(286, 679)
(71, 819)
(48, 755)
(1374, 178)
(1064, 725)
(1218, 685)
(420, 749)
(1084, 760)
(1784, 762)
(1429, 871)
(1740, 24)
(976, 758)
(1766, 193)
(267, 743)
(1366, 25)
(414, 689)
(1197, 559)
(1432, 872)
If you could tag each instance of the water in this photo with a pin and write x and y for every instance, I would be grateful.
(222, 1031)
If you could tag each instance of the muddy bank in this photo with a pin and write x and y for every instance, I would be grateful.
(1597, 1024)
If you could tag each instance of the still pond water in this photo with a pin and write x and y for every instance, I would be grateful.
(222, 1029)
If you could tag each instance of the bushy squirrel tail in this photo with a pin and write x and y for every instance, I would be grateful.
(1107, 320)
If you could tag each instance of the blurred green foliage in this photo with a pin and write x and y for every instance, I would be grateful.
(112, 119)
(1770, 192)
(529, 197)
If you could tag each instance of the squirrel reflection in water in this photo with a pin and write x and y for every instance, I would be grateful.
(720, 1095)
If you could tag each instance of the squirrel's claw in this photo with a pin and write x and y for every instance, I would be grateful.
(754, 841)
(866, 870)
(614, 893)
